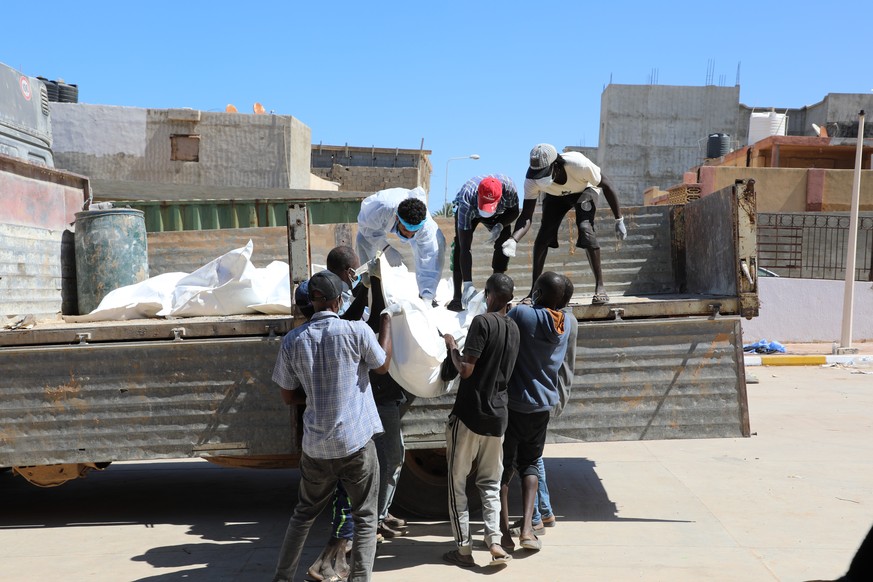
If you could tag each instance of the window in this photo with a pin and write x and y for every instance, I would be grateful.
(185, 148)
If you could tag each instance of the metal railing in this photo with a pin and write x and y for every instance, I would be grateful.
(812, 245)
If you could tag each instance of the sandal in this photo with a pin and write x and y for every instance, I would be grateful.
(531, 543)
(458, 559)
(538, 528)
(600, 299)
(498, 559)
(395, 522)
(549, 521)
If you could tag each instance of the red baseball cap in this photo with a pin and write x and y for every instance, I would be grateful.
(490, 193)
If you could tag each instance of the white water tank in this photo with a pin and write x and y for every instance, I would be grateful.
(763, 125)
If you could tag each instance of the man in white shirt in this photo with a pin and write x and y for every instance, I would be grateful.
(568, 180)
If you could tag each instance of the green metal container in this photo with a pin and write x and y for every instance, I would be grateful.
(111, 252)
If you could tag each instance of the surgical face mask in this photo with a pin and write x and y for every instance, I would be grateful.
(355, 280)
(544, 182)
(535, 296)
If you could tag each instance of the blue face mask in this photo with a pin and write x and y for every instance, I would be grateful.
(355, 280)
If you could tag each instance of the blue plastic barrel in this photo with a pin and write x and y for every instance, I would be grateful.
(111, 252)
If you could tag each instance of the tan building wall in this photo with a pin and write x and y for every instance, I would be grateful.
(779, 190)
(838, 190)
(793, 190)
(181, 146)
(363, 179)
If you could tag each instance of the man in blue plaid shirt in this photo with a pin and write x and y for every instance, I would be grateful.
(328, 359)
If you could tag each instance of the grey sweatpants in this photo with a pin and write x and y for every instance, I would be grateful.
(463, 448)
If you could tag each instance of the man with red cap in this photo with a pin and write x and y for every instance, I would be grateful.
(493, 201)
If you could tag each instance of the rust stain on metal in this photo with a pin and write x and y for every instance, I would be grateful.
(64, 391)
(646, 392)
(747, 201)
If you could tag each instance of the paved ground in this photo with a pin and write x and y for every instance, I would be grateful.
(814, 354)
(790, 503)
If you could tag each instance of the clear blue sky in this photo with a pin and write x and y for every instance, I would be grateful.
(490, 78)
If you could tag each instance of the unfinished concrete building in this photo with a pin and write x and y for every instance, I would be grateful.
(181, 146)
(370, 169)
(650, 135)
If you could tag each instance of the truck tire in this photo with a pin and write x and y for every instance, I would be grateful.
(423, 487)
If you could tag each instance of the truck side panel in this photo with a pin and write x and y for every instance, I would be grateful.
(636, 380)
(141, 400)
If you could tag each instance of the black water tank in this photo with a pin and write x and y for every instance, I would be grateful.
(718, 145)
(67, 93)
(51, 88)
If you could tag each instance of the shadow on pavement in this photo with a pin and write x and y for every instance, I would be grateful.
(236, 518)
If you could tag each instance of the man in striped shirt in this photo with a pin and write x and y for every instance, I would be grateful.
(493, 201)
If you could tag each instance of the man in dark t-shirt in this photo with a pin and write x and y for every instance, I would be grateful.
(474, 433)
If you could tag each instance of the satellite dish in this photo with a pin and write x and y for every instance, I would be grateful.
(230, 109)
(259, 109)
(817, 129)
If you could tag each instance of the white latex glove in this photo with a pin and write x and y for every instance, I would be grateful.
(509, 247)
(392, 310)
(467, 294)
(373, 269)
(495, 232)
(620, 229)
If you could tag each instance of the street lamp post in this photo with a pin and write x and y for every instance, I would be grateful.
(446, 194)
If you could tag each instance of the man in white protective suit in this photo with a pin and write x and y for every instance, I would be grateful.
(403, 213)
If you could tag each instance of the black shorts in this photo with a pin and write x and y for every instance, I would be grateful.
(555, 208)
(524, 442)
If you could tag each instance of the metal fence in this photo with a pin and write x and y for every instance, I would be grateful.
(812, 245)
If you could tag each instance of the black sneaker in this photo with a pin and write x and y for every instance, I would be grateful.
(454, 305)
(388, 532)
(394, 522)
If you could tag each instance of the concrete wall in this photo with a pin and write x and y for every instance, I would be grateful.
(837, 195)
(808, 310)
(360, 169)
(651, 134)
(779, 190)
(362, 179)
(793, 189)
(126, 143)
(837, 113)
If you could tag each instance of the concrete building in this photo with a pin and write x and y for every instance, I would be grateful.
(370, 169)
(181, 146)
(650, 135)
(793, 174)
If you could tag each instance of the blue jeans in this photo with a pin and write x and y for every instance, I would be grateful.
(318, 478)
(542, 504)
